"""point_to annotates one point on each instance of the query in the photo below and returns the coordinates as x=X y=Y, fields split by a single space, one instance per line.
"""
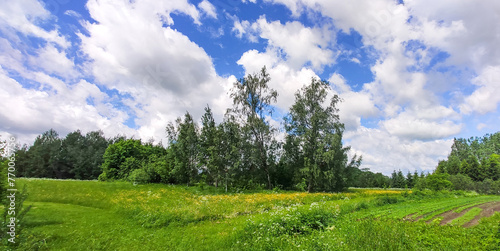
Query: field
x=91 y=215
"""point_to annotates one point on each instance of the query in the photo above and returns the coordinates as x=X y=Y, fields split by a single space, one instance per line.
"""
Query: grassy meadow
x=91 y=215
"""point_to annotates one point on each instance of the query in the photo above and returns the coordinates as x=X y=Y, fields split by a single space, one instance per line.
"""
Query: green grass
x=90 y=215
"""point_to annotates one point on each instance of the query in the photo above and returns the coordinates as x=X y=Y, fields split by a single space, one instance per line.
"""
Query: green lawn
x=90 y=215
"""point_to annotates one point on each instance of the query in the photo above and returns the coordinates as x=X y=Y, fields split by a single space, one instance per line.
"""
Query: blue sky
x=413 y=74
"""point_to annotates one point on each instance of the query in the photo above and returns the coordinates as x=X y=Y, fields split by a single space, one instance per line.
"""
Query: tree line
x=473 y=164
x=242 y=151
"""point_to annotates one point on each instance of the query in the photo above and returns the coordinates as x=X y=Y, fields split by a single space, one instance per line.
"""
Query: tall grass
x=82 y=215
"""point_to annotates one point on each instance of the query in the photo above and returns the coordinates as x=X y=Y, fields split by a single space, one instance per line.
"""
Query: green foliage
x=139 y=176
x=477 y=158
x=121 y=158
x=74 y=157
x=461 y=182
x=252 y=102
x=183 y=139
x=210 y=154
x=294 y=220
x=437 y=182
x=468 y=216
x=398 y=180
x=314 y=140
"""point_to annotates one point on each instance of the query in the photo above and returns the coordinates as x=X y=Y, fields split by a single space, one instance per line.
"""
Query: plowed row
x=487 y=210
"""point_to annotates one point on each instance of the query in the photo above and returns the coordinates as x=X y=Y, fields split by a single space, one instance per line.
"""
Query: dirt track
x=488 y=209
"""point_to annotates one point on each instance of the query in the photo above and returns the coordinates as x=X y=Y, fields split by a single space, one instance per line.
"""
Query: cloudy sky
x=412 y=74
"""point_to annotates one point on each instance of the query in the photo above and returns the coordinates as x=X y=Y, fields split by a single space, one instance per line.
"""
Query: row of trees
x=477 y=158
x=473 y=164
x=243 y=150
x=76 y=156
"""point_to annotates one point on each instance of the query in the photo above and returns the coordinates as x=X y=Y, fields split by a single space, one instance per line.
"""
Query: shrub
x=438 y=181
x=294 y=220
x=385 y=200
x=461 y=182
x=485 y=187
x=139 y=176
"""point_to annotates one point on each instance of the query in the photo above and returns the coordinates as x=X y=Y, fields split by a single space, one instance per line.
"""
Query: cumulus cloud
x=208 y=9
x=23 y=16
x=284 y=79
x=487 y=96
x=53 y=61
x=27 y=111
x=166 y=73
x=433 y=63
x=383 y=152
x=299 y=45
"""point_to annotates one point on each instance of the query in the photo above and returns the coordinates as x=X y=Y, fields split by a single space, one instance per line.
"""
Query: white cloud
x=53 y=61
x=487 y=96
x=481 y=126
x=383 y=152
x=354 y=105
x=208 y=9
x=284 y=79
x=9 y=57
x=23 y=16
x=30 y=111
x=467 y=30
x=163 y=70
x=299 y=45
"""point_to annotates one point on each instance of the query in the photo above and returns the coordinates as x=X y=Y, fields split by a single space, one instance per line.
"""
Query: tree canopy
x=242 y=151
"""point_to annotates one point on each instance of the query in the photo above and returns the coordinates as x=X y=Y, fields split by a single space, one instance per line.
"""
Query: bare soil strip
x=489 y=209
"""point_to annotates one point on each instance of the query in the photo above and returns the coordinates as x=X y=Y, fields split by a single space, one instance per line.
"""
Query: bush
x=461 y=182
x=485 y=187
x=103 y=177
x=294 y=220
x=385 y=200
x=438 y=181
x=139 y=176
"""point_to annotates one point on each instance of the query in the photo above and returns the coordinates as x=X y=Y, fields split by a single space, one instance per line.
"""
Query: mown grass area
x=90 y=215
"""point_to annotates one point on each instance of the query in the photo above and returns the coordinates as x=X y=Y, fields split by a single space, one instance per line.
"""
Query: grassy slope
x=83 y=215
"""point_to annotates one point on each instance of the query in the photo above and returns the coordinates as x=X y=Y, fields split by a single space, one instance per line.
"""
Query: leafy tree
x=231 y=149
x=83 y=155
x=461 y=182
x=45 y=155
x=210 y=145
x=438 y=181
x=442 y=167
x=453 y=165
x=415 y=178
x=121 y=158
x=315 y=139
x=252 y=100
x=490 y=168
x=184 y=140
x=472 y=168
